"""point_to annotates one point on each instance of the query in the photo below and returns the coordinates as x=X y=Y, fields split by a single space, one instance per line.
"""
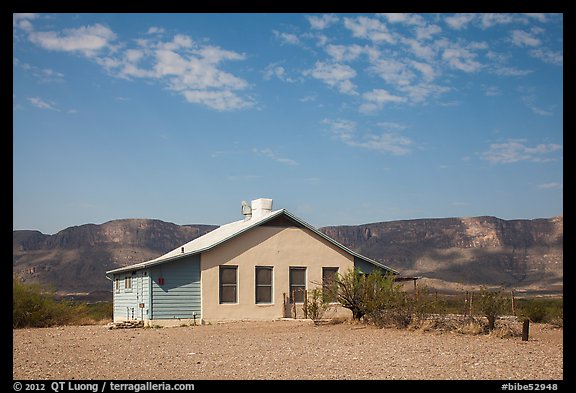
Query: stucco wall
x=279 y=247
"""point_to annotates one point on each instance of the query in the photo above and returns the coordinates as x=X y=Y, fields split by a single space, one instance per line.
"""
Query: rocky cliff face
x=76 y=259
x=451 y=253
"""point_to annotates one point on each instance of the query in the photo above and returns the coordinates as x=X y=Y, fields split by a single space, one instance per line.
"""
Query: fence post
x=294 y=303
x=305 y=304
x=513 y=310
x=525 y=329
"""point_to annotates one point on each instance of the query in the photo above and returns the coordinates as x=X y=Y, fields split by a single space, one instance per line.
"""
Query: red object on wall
x=160 y=281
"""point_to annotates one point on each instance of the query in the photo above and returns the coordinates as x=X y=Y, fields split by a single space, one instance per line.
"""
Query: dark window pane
x=227 y=275
x=298 y=295
x=263 y=276
x=298 y=276
x=228 y=284
x=328 y=280
x=228 y=294
x=263 y=294
x=297 y=284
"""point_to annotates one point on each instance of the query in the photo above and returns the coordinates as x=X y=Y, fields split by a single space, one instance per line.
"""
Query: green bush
x=491 y=305
x=36 y=306
x=33 y=306
x=316 y=304
x=540 y=310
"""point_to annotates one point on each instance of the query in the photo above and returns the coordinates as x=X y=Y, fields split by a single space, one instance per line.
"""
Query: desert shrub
x=541 y=310
x=357 y=291
x=491 y=304
x=36 y=306
x=316 y=304
x=405 y=309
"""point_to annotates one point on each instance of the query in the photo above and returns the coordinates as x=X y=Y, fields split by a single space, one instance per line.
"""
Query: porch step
x=126 y=325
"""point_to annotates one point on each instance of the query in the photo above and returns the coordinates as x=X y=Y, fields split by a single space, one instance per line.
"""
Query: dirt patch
x=282 y=350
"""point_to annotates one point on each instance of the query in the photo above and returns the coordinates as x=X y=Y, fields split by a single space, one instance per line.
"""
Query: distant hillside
x=451 y=253
x=77 y=258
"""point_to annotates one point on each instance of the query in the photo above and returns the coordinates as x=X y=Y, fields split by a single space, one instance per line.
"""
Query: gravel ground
x=282 y=350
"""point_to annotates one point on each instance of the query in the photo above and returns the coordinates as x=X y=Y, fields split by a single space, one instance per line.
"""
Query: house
x=257 y=268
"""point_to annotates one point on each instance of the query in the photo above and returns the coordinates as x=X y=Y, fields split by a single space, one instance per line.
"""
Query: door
x=140 y=304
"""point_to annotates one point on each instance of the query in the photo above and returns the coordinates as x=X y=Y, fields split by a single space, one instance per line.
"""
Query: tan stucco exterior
x=279 y=247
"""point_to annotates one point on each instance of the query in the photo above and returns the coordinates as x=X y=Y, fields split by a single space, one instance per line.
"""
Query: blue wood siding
x=367 y=267
x=178 y=296
x=127 y=300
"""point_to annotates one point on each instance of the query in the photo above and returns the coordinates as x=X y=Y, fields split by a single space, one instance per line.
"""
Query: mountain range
x=450 y=254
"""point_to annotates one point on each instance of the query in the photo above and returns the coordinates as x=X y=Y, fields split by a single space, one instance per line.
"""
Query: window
x=328 y=281
x=263 y=284
x=228 y=284
x=297 y=284
x=117 y=284
x=127 y=283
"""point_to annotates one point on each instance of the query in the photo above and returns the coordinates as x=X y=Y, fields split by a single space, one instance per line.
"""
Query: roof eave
x=159 y=260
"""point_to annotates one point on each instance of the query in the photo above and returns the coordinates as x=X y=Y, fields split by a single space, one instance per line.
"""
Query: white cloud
x=277 y=71
x=427 y=71
x=489 y=20
x=418 y=49
x=335 y=75
x=523 y=38
x=408 y=19
x=185 y=66
x=529 y=99
x=266 y=152
x=420 y=92
x=551 y=186
x=368 y=28
x=45 y=75
x=427 y=32
x=344 y=52
x=287 y=38
x=343 y=130
x=515 y=150
x=548 y=56
x=155 y=30
x=377 y=98
x=491 y=91
x=538 y=16
x=88 y=40
x=461 y=59
x=389 y=141
x=392 y=71
x=220 y=100
x=459 y=21
x=22 y=21
x=322 y=22
x=509 y=71
x=43 y=104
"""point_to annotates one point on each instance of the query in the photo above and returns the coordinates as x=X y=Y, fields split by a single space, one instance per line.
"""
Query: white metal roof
x=228 y=231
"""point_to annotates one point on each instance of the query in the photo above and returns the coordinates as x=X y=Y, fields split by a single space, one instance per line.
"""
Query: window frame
x=324 y=282
x=291 y=285
x=222 y=285
x=128 y=283
x=257 y=285
x=117 y=284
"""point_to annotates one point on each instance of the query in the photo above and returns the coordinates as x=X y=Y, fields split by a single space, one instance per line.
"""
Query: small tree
x=361 y=293
x=491 y=304
x=317 y=304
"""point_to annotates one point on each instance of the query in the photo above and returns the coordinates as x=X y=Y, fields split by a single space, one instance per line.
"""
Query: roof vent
x=261 y=207
x=246 y=210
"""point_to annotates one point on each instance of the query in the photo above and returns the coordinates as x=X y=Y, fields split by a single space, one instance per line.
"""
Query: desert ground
x=284 y=349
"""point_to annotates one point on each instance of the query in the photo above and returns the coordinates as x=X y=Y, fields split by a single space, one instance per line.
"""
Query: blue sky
x=342 y=119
